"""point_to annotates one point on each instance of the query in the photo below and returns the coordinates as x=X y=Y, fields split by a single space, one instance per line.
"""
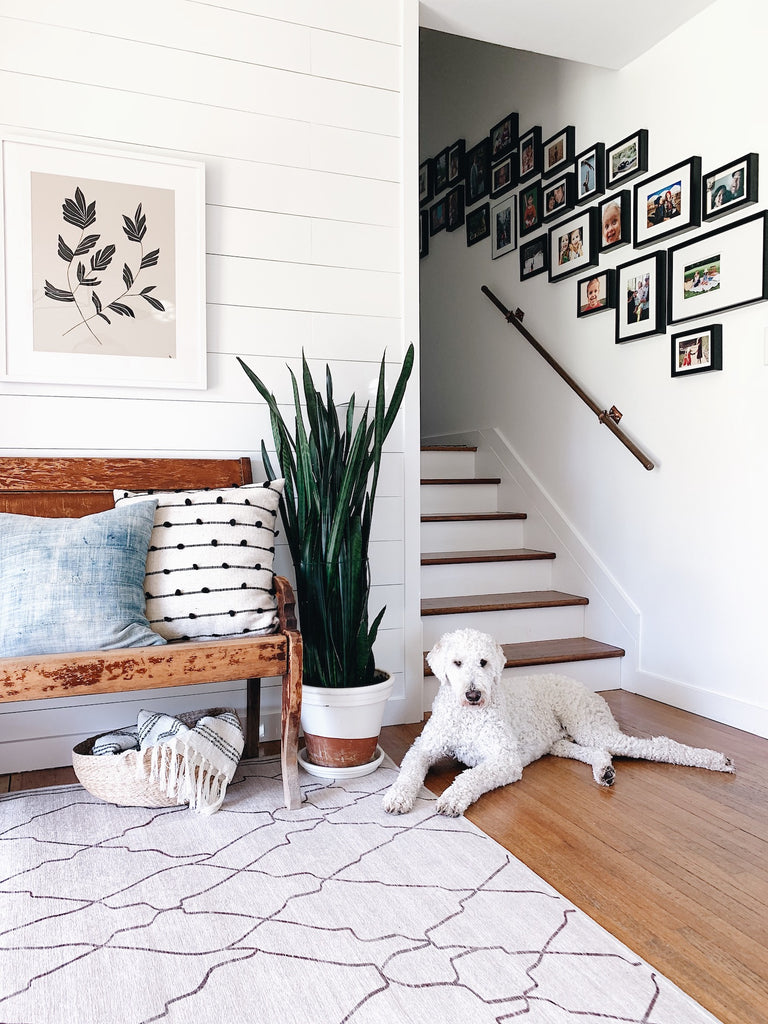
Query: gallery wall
x=304 y=117
x=684 y=541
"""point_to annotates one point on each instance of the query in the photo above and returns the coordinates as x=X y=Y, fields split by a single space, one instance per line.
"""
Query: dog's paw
x=607 y=776
x=450 y=805
x=397 y=802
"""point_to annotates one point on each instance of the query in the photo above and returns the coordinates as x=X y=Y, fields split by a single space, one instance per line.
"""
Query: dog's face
x=470 y=663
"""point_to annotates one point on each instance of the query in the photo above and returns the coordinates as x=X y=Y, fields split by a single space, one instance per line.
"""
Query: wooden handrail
x=515 y=319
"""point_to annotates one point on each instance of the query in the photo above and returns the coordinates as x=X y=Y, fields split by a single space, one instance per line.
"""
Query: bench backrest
x=75 y=487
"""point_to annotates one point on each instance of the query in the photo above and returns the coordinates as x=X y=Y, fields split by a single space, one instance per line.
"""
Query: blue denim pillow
x=74 y=584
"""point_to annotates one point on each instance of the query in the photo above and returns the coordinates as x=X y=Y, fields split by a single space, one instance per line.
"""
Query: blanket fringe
x=186 y=774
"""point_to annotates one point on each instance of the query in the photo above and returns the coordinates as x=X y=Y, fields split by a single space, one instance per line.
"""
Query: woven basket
x=115 y=778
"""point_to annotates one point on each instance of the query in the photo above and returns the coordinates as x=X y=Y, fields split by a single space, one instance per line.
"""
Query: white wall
x=686 y=541
x=305 y=117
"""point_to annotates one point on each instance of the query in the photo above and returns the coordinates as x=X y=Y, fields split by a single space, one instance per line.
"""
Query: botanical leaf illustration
x=97 y=304
x=127 y=276
x=64 y=251
x=102 y=257
x=86 y=244
x=150 y=260
x=121 y=309
x=79 y=213
x=154 y=303
x=57 y=293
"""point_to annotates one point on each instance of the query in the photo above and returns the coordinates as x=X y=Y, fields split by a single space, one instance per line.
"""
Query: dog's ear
x=436 y=659
x=499 y=660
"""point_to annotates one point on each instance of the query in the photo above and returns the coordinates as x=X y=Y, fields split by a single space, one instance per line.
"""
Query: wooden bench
x=72 y=487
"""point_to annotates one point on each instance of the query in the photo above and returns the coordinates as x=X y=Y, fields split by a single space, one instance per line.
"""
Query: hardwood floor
x=672 y=861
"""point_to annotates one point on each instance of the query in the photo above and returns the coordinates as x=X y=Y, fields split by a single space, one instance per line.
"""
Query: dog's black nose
x=473 y=696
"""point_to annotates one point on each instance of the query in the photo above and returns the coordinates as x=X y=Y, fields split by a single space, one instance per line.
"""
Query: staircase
x=477 y=573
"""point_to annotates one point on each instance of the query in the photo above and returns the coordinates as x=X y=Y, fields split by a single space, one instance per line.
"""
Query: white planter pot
x=341 y=727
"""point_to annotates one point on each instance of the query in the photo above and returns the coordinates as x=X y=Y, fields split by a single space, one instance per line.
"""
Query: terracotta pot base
x=329 y=752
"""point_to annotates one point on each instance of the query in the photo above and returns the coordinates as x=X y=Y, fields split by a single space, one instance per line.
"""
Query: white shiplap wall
x=304 y=113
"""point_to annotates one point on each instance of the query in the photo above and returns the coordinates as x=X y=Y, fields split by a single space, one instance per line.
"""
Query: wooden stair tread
x=499 y=602
x=498 y=555
x=546 y=652
x=471 y=517
x=449 y=448
x=454 y=480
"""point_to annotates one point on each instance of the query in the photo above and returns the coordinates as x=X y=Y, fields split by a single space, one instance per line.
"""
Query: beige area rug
x=336 y=912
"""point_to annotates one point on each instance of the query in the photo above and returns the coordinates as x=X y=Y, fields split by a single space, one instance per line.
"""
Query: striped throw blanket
x=194 y=764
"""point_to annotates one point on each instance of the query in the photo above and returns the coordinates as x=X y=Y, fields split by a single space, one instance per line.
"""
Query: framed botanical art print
x=731 y=187
x=557 y=151
x=573 y=245
x=503 y=227
x=454 y=203
x=504 y=175
x=426 y=183
x=697 y=351
x=503 y=136
x=559 y=196
x=529 y=200
x=478 y=224
x=534 y=257
x=627 y=159
x=668 y=203
x=719 y=270
x=640 y=297
x=590 y=173
x=456 y=162
x=478 y=172
x=614 y=213
x=595 y=292
x=530 y=154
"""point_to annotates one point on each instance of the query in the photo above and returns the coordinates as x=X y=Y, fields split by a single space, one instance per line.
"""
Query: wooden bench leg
x=291 y=716
x=252 y=718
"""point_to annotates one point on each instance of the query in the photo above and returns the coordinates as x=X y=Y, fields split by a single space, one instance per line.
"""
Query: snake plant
x=331 y=469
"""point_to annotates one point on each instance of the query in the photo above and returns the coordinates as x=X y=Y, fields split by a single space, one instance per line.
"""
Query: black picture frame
x=438 y=216
x=587 y=301
x=456 y=162
x=503 y=227
x=590 y=173
x=572 y=245
x=529 y=208
x=733 y=270
x=504 y=175
x=454 y=202
x=423 y=234
x=477 y=172
x=667 y=203
x=697 y=351
x=644 y=314
x=529 y=153
x=534 y=257
x=615 y=216
x=627 y=159
x=478 y=224
x=558 y=196
x=440 y=163
x=558 y=151
x=504 y=135
x=720 y=196
x=426 y=181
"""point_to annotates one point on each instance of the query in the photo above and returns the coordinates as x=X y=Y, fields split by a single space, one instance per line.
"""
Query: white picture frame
x=103 y=267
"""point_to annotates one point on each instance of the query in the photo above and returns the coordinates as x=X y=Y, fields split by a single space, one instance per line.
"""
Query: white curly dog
x=497 y=728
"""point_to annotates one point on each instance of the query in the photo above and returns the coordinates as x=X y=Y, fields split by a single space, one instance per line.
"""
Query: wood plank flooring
x=672 y=861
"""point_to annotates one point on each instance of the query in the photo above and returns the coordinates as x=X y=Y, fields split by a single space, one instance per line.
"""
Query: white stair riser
x=458 y=498
x=509 y=627
x=447 y=464
x=473 y=535
x=604 y=674
x=485 y=578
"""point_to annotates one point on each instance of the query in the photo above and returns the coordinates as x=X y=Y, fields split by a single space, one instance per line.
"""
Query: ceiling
x=590 y=31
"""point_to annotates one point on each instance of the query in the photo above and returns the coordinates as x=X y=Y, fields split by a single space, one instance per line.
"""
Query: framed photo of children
x=627 y=159
x=668 y=203
x=456 y=162
x=529 y=199
x=640 y=297
x=503 y=136
x=697 y=351
x=478 y=224
x=503 y=227
x=454 y=217
x=614 y=212
x=425 y=182
x=590 y=173
x=559 y=196
x=533 y=257
x=478 y=172
x=573 y=245
x=504 y=175
x=730 y=187
x=558 y=151
x=423 y=234
x=720 y=270
x=595 y=292
x=530 y=154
